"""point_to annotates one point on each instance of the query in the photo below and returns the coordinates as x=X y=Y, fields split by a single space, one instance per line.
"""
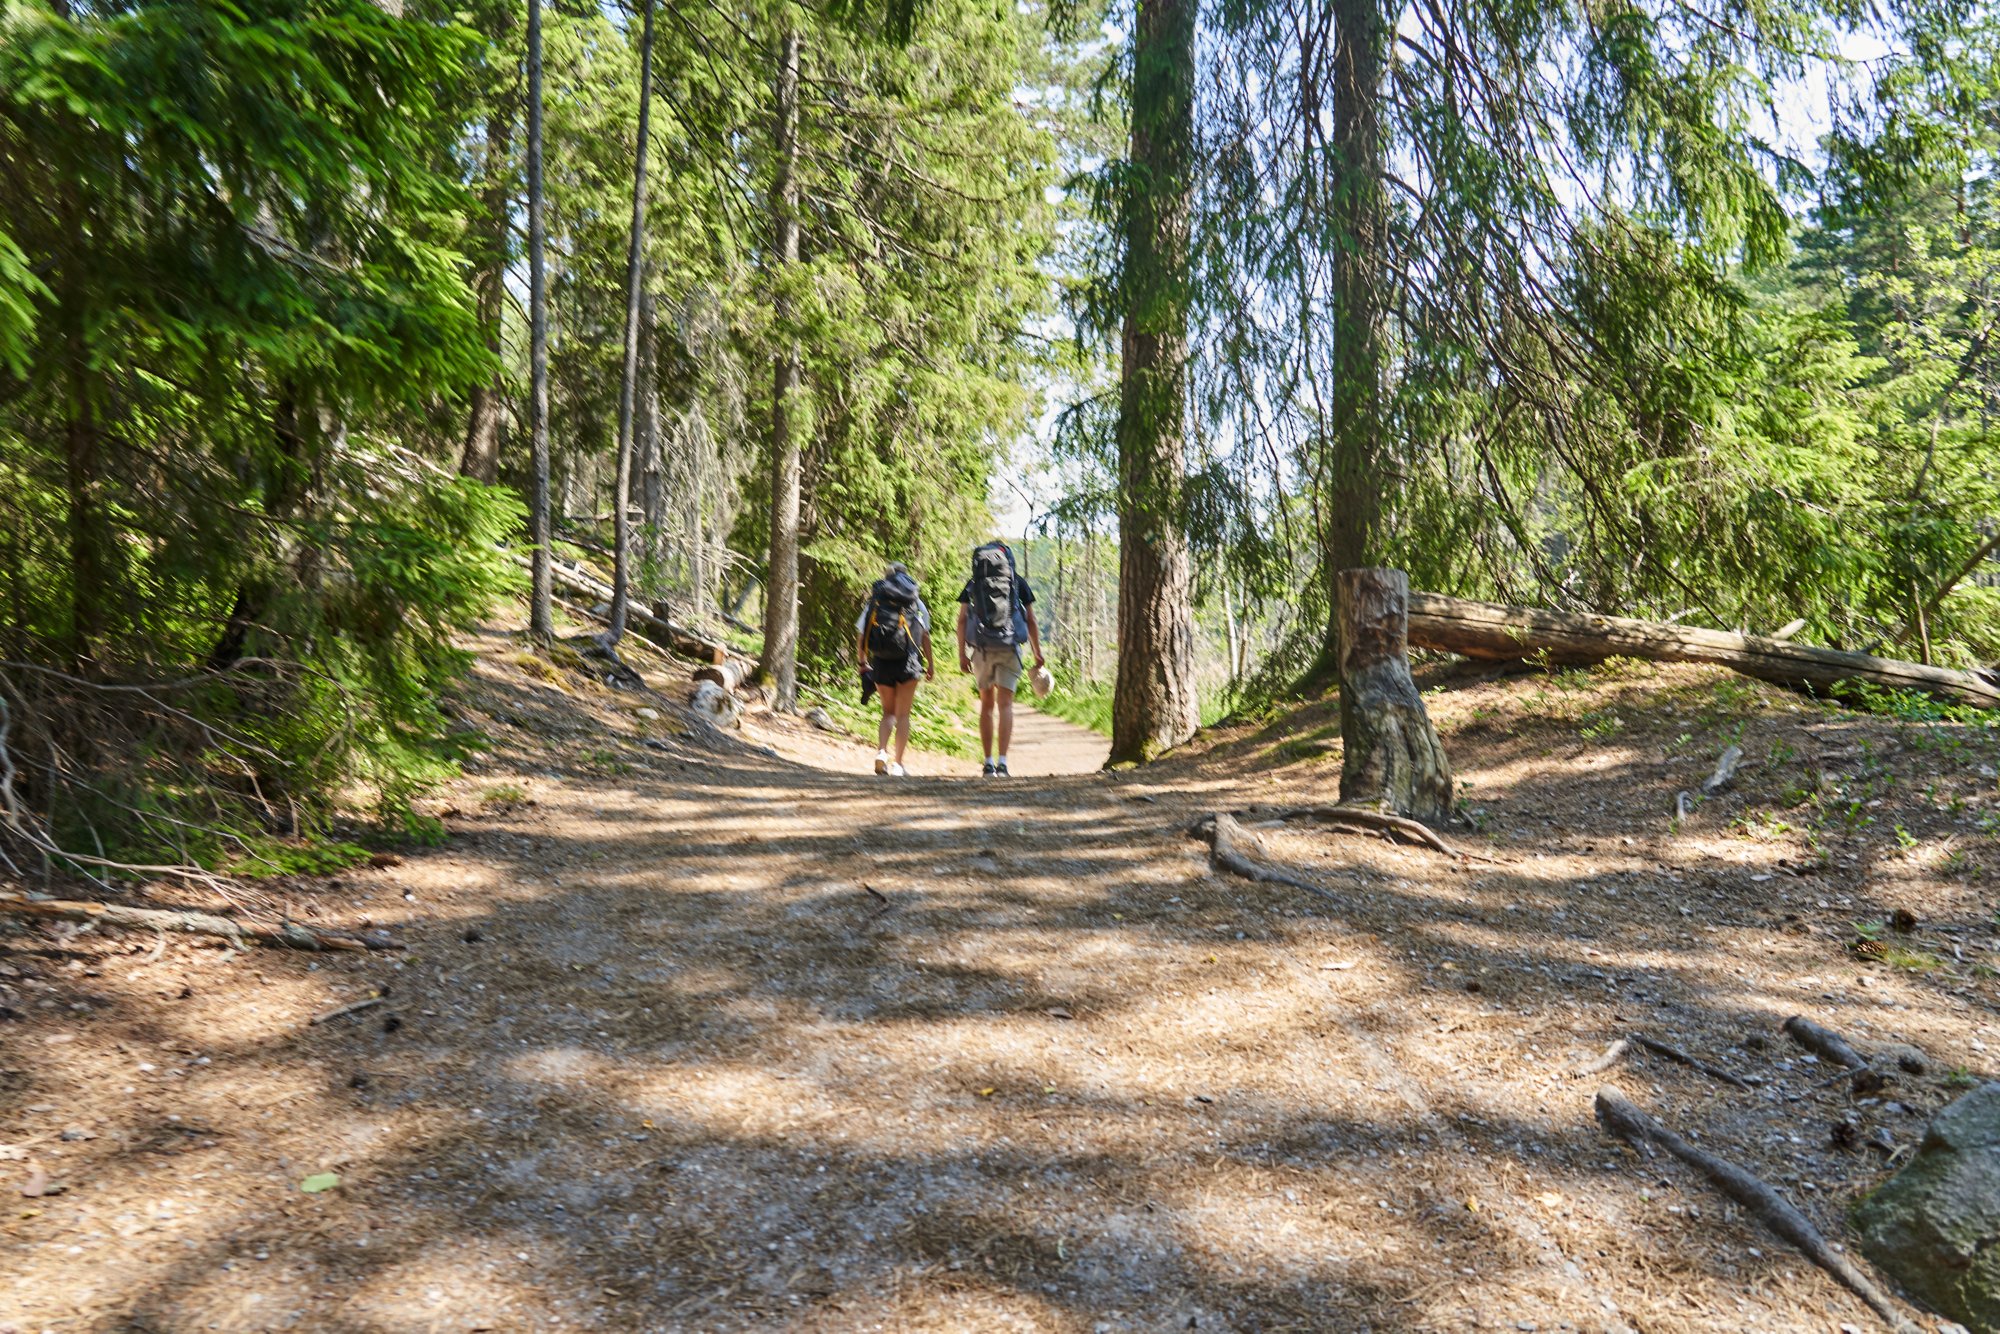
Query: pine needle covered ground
x=693 y=1034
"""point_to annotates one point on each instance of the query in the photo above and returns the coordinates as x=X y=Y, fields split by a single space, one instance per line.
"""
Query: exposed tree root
x=1674 y=1053
x=189 y=922
x=1823 y=1042
x=1361 y=819
x=1221 y=831
x=1613 y=1054
x=1619 y=1117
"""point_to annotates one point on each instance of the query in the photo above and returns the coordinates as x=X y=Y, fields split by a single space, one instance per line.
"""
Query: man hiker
x=996 y=614
x=893 y=645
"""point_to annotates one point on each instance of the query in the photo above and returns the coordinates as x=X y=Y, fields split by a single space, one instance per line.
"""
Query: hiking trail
x=696 y=1035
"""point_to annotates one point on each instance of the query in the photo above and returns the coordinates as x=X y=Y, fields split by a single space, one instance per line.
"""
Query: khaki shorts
x=996 y=667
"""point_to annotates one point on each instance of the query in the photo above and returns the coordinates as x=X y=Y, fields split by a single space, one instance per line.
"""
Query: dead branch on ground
x=1823 y=1042
x=1674 y=1053
x=190 y=922
x=1620 y=1118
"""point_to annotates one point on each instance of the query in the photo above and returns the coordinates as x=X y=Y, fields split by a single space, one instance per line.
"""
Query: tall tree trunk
x=1353 y=508
x=541 y=609
x=481 y=457
x=648 y=456
x=780 y=662
x=80 y=458
x=635 y=272
x=1154 y=706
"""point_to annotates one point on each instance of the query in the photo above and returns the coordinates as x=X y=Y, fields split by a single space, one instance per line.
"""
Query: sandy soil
x=701 y=1033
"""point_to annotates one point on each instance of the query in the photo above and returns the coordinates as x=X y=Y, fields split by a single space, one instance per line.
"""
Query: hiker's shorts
x=996 y=667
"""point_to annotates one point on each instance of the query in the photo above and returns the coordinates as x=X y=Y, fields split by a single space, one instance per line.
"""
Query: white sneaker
x=881 y=761
x=897 y=771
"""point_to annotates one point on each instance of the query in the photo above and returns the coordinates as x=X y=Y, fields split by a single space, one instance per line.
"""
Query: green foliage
x=228 y=593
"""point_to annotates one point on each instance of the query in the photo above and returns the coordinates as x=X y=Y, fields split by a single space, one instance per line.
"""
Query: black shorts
x=894 y=671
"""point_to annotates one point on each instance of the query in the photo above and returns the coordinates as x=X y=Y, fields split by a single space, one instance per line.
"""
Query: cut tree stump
x=1391 y=757
x=1495 y=633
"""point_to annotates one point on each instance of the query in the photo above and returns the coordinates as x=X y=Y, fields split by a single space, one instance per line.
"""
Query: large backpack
x=892 y=630
x=993 y=609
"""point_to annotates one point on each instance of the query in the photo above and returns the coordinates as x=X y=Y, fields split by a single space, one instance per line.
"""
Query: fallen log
x=1495 y=633
x=1774 y=1211
x=189 y=922
x=658 y=629
x=730 y=673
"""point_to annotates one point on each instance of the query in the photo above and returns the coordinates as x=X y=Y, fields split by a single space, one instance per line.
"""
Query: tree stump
x=1392 y=759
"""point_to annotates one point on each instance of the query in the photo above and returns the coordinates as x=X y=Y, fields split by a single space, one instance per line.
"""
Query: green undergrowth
x=1088 y=704
x=943 y=719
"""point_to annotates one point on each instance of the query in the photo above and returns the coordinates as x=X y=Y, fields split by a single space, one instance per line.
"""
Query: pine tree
x=1155 y=706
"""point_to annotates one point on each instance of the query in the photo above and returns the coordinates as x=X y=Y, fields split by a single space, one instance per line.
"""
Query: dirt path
x=696 y=1037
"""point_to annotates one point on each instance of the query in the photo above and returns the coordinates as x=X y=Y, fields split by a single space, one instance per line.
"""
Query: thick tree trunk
x=1496 y=633
x=541 y=610
x=481 y=457
x=780 y=662
x=1393 y=760
x=1353 y=470
x=1154 y=706
x=628 y=391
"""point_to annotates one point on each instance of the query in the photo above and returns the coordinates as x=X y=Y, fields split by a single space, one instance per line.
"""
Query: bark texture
x=628 y=391
x=541 y=608
x=1485 y=630
x=1392 y=759
x=1353 y=481
x=480 y=459
x=780 y=662
x=1154 y=707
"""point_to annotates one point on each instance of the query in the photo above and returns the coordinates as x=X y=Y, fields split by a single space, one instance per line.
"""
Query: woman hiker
x=894 y=643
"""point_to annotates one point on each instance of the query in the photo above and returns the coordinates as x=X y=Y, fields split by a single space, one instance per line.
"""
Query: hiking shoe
x=881 y=761
x=1000 y=771
x=986 y=769
x=898 y=771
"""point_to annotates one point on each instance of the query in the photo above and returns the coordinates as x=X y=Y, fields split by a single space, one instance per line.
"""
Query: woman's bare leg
x=906 y=698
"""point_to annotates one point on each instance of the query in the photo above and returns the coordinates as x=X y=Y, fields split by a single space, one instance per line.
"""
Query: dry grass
x=661 y=1063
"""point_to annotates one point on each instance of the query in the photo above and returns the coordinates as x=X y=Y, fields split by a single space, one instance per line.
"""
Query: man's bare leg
x=1003 y=706
x=987 y=699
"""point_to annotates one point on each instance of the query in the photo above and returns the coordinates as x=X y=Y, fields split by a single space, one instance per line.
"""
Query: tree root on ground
x=1823 y=1042
x=1618 y=1050
x=1620 y=1118
x=1674 y=1053
x=1220 y=831
x=190 y=922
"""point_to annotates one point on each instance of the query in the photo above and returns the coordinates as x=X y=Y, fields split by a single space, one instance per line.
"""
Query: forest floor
x=700 y=1033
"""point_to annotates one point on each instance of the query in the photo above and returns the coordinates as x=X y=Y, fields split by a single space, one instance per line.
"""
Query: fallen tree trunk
x=730 y=673
x=661 y=631
x=189 y=922
x=1494 y=633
